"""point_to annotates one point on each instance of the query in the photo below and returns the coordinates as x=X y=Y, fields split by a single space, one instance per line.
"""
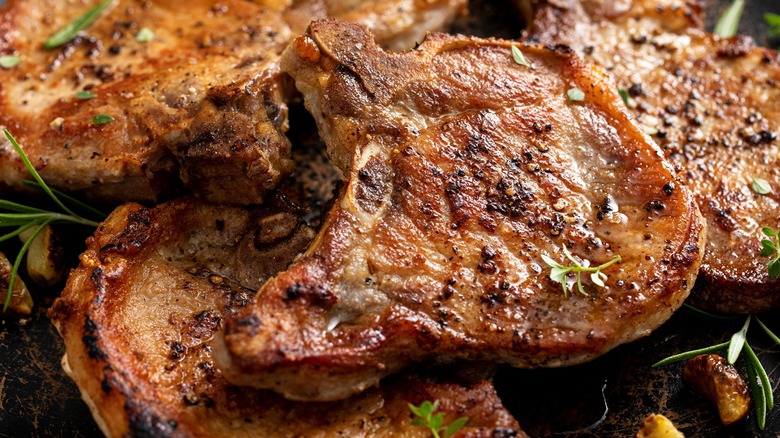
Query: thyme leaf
x=773 y=20
x=84 y=95
x=102 y=119
x=434 y=422
x=144 y=35
x=559 y=272
x=517 y=55
x=9 y=61
x=770 y=248
x=575 y=94
x=760 y=186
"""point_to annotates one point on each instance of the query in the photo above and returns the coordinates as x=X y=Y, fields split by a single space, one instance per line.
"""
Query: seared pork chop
x=153 y=287
x=715 y=104
x=463 y=169
x=201 y=105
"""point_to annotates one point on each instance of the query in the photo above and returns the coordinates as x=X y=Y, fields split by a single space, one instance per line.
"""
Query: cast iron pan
x=608 y=397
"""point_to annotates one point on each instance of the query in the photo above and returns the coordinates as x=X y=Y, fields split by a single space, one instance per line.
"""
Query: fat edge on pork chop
x=463 y=168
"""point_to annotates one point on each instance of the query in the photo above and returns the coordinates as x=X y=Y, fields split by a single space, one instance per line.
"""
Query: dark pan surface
x=608 y=397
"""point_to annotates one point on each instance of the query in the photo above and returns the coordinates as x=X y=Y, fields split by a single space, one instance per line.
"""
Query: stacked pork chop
x=715 y=104
x=466 y=170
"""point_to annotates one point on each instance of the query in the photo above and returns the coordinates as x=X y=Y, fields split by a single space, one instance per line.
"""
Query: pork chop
x=463 y=169
x=200 y=103
x=153 y=287
x=715 y=105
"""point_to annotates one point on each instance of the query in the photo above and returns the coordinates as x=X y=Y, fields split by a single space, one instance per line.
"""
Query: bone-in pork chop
x=194 y=90
x=463 y=169
x=153 y=287
x=715 y=105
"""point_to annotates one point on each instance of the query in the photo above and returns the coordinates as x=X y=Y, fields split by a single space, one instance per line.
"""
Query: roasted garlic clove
x=658 y=426
x=712 y=377
x=45 y=257
x=21 y=301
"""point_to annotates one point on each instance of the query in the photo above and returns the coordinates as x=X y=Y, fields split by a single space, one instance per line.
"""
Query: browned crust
x=286 y=339
x=147 y=368
x=716 y=103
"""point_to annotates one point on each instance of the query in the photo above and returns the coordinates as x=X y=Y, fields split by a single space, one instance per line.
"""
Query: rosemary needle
x=24 y=217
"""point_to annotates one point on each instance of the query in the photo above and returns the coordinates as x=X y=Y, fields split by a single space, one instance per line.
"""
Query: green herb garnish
x=769 y=248
x=758 y=379
x=517 y=55
x=84 y=95
x=773 y=20
x=729 y=22
x=144 y=35
x=575 y=94
x=559 y=272
x=760 y=186
x=434 y=422
x=9 y=61
x=102 y=119
x=627 y=99
x=68 y=32
x=24 y=217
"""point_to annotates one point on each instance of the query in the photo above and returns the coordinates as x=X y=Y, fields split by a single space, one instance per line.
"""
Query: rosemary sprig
x=729 y=22
x=434 y=422
x=68 y=32
x=758 y=379
x=24 y=217
x=559 y=272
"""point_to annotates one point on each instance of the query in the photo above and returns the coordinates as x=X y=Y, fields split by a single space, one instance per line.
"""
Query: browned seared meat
x=152 y=289
x=464 y=169
x=202 y=105
x=716 y=106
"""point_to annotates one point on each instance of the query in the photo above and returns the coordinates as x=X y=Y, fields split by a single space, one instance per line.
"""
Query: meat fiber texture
x=155 y=285
x=463 y=169
x=200 y=106
x=715 y=105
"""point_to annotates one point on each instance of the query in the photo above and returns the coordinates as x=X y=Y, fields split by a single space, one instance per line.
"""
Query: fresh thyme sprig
x=771 y=248
x=24 y=217
x=559 y=272
x=773 y=20
x=758 y=379
x=434 y=422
